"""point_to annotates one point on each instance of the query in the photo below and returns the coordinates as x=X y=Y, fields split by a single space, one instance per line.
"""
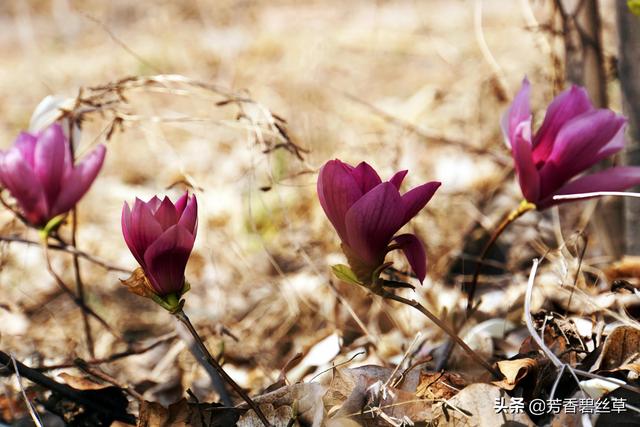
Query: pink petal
x=189 y=217
x=579 y=145
x=153 y=204
x=22 y=183
x=166 y=259
x=414 y=200
x=414 y=251
x=366 y=177
x=26 y=143
x=518 y=112
x=49 y=161
x=613 y=179
x=166 y=214
x=338 y=191
x=78 y=182
x=569 y=104
x=525 y=168
x=181 y=203
x=612 y=147
x=125 y=222
x=141 y=228
x=372 y=221
x=398 y=178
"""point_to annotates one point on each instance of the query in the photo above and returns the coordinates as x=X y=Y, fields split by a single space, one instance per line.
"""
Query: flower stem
x=523 y=208
x=435 y=319
x=182 y=317
x=80 y=284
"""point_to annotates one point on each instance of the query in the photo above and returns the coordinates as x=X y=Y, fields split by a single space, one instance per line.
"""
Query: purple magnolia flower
x=573 y=137
x=39 y=173
x=367 y=213
x=160 y=235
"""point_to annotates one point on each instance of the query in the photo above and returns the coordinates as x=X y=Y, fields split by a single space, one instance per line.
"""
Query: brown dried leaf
x=341 y=422
x=183 y=413
x=281 y=416
x=138 y=284
x=437 y=385
x=82 y=383
x=155 y=415
x=514 y=371
x=473 y=406
x=304 y=400
x=621 y=347
x=628 y=267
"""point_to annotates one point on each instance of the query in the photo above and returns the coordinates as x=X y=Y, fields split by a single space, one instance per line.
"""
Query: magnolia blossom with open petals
x=161 y=235
x=573 y=137
x=39 y=173
x=367 y=213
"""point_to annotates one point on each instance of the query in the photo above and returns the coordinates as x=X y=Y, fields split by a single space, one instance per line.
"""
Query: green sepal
x=344 y=273
x=170 y=302
x=186 y=288
x=634 y=6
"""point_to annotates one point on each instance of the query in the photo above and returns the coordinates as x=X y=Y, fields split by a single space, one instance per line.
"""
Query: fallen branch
x=64 y=390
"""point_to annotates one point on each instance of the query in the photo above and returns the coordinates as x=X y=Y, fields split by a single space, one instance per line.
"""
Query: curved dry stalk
x=182 y=317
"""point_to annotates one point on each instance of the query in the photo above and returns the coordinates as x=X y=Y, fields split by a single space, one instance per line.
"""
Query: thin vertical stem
x=523 y=208
x=80 y=285
x=182 y=317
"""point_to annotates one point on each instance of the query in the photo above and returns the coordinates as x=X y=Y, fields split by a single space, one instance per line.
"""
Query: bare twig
x=429 y=136
x=98 y=373
x=404 y=357
x=64 y=247
x=34 y=415
x=133 y=351
x=64 y=390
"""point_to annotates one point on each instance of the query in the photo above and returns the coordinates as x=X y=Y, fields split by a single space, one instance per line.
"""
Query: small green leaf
x=634 y=6
x=344 y=273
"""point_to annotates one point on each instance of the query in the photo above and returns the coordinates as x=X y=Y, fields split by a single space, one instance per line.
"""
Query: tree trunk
x=628 y=71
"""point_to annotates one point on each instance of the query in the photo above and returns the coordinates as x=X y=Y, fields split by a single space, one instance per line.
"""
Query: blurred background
x=252 y=98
